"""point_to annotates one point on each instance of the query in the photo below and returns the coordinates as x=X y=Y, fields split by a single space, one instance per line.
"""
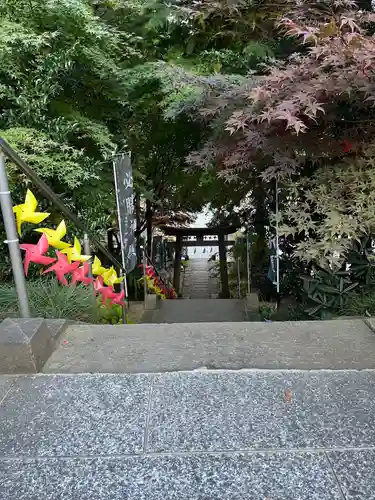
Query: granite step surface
x=341 y=344
x=250 y=435
x=199 y=281
x=200 y=310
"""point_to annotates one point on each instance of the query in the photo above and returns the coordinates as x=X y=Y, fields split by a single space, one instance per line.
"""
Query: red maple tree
x=314 y=108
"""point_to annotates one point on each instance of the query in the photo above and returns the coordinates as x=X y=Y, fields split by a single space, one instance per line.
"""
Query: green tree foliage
x=160 y=145
x=331 y=209
x=61 y=94
x=314 y=112
x=229 y=36
x=76 y=86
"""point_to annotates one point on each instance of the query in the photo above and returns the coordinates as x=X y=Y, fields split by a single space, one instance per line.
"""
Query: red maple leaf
x=34 y=253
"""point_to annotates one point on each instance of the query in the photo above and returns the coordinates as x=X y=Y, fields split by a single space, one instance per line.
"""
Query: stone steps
x=198 y=281
x=199 y=310
x=341 y=344
x=288 y=412
x=257 y=435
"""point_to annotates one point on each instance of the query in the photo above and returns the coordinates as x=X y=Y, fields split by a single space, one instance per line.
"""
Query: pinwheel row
x=155 y=284
x=69 y=259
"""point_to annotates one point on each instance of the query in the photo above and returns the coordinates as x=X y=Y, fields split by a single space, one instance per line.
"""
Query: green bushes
x=48 y=299
x=360 y=305
x=328 y=293
x=111 y=315
x=348 y=291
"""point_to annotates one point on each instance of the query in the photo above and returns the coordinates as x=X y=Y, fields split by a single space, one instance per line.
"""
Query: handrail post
x=87 y=250
x=248 y=263
x=239 y=277
x=12 y=240
x=124 y=288
x=144 y=277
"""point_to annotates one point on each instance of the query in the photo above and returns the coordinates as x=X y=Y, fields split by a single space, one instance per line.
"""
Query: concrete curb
x=26 y=344
x=370 y=323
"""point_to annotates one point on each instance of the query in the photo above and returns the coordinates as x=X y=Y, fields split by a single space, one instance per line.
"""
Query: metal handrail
x=55 y=199
x=154 y=268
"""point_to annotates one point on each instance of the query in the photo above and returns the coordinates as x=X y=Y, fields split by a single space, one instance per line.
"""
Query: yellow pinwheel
x=74 y=253
x=26 y=212
x=97 y=268
x=110 y=277
x=54 y=236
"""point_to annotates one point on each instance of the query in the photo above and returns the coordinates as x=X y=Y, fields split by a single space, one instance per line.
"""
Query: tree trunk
x=223 y=268
x=149 y=214
x=177 y=265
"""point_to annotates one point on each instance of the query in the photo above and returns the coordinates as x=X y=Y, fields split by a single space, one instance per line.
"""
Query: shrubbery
x=48 y=299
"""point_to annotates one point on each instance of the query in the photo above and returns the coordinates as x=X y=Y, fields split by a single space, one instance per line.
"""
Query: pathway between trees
x=199 y=281
x=199 y=303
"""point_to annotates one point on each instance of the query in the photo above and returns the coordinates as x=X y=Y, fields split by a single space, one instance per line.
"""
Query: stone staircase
x=183 y=411
x=198 y=281
x=158 y=348
x=55 y=346
x=199 y=311
x=285 y=435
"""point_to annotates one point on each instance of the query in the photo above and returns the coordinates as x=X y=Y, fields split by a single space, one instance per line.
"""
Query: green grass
x=48 y=299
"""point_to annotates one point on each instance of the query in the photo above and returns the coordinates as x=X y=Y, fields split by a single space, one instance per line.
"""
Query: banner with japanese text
x=125 y=208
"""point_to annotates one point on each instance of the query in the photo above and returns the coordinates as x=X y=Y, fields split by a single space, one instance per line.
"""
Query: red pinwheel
x=346 y=146
x=118 y=298
x=80 y=274
x=62 y=267
x=105 y=291
x=149 y=271
x=34 y=253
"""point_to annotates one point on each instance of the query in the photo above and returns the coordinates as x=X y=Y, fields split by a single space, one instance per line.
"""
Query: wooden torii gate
x=183 y=233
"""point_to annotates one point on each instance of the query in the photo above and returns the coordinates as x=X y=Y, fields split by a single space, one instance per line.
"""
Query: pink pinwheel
x=149 y=271
x=80 y=274
x=34 y=253
x=98 y=284
x=62 y=267
x=118 y=298
x=105 y=291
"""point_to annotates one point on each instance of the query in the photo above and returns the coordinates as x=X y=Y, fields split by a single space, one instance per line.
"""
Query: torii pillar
x=183 y=232
x=223 y=268
x=177 y=264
